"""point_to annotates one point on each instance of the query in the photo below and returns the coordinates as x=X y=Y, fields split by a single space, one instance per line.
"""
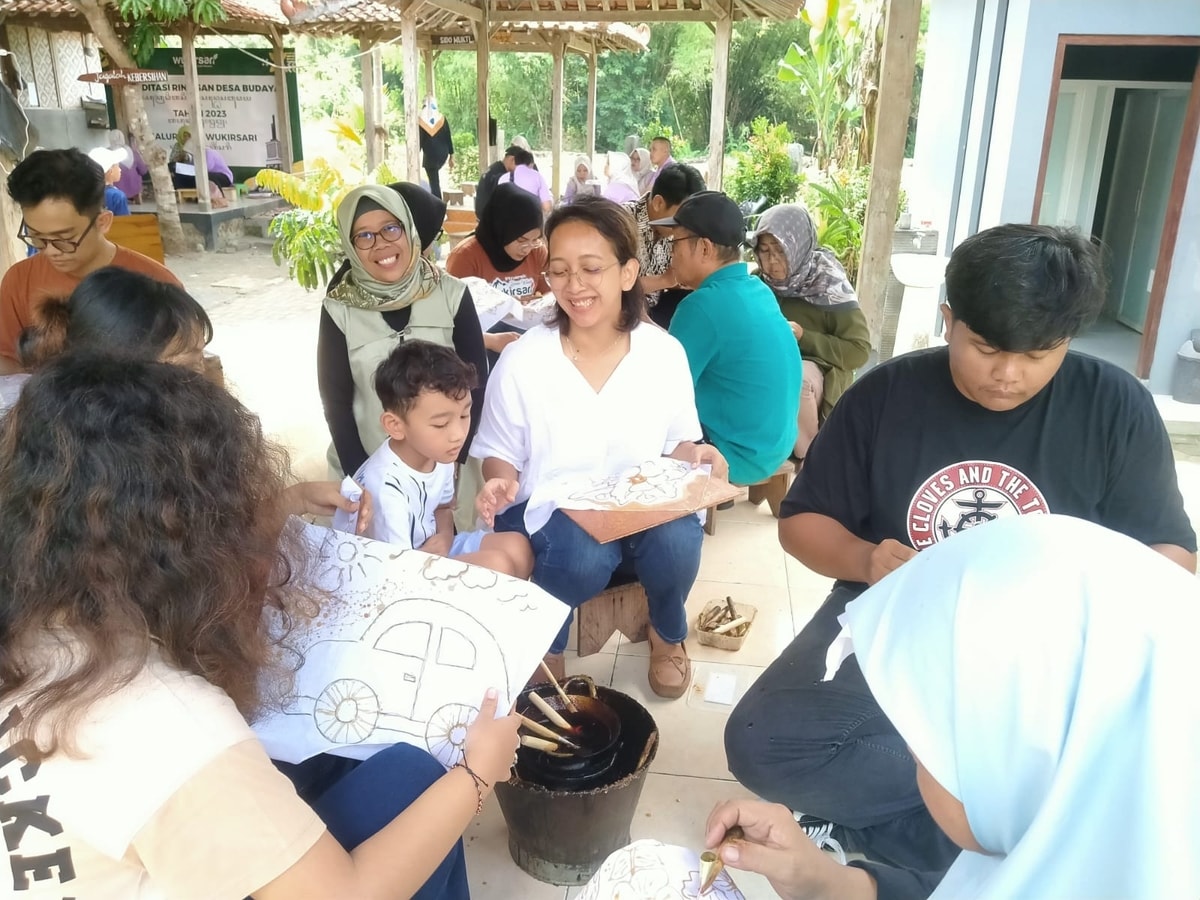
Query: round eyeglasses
x=365 y=240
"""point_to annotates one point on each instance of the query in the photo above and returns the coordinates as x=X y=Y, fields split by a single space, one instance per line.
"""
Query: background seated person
x=577 y=184
x=425 y=391
x=642 y=168
x=218 y=172
x=506 y=250
x=743 y=357
x=109 y=161
x=622 y=184
x=131 y=725
x=1002 y=421
x=591 y=393
x=663 y=291
x=660 y=155
x=525 y=175
x=1041 y=703
x=61 y=196
x=817 y=300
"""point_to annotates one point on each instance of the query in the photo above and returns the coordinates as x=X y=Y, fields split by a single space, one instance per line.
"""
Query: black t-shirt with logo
x=905 y=455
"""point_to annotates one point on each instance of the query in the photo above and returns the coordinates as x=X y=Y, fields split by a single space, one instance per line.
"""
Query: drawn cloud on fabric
x=442 y=568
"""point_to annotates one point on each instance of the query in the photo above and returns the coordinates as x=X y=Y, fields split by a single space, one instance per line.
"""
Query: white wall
x=1006 y=170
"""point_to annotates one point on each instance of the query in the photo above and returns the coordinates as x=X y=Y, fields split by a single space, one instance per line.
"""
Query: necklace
x=575 y=350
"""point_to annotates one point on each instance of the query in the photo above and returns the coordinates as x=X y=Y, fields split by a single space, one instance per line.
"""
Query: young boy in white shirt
x=425 y=391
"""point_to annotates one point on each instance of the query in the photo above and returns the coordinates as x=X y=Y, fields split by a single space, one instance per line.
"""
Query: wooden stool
x=619 y=607
x=184 y=195
x=772 y=489
x=453 y=198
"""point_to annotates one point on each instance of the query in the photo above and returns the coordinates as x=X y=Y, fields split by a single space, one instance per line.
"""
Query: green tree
x=764 y=168
x=145 y=22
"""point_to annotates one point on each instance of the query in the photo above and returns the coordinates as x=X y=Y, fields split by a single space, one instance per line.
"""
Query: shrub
x=764 y=169
x=838 y=204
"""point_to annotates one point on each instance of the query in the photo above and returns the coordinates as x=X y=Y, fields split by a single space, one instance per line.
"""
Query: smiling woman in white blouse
x=594 y=391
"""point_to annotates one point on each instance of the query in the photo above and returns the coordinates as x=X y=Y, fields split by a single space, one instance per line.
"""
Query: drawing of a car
x=396 y=677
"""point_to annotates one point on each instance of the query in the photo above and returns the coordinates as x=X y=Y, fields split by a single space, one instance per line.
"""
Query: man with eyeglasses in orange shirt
x=61 y=195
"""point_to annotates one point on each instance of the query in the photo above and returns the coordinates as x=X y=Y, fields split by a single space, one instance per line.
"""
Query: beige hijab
x=358 y=289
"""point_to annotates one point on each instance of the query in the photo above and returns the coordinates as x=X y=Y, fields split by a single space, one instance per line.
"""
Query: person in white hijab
x=577 y=184
x=643 y=169
x=1042 y=671
x=622 y=186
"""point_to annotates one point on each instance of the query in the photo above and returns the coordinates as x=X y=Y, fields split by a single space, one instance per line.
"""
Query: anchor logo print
x=966 y=494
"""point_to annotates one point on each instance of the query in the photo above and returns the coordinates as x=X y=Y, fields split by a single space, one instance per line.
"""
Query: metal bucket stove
x=565 y=817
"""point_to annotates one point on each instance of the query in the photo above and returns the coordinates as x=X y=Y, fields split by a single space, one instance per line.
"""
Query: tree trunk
x=154 y=155
x=871 y=23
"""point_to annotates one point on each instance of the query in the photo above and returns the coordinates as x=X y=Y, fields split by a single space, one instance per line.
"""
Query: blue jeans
x=826 y=748
x=356 y=799
x=571 y=565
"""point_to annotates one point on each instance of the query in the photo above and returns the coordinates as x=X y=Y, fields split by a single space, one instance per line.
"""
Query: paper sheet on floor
x=651 y=870
x=401 y=648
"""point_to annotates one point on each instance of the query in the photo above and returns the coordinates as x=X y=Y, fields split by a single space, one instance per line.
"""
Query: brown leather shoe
x=670 y=672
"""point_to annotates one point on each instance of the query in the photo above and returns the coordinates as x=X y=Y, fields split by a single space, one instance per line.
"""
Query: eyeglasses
x=62 y=245
x=691 y=237
x=589 y=276
x=365 y=240
x=527 y=244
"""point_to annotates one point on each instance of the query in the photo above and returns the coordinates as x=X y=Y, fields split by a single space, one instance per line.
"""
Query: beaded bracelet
x=480 y=784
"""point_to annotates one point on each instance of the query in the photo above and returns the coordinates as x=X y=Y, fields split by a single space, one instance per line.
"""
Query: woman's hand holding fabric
x=775 y=847
x=797 y=330
x=700 y=455
x=491 y=742
x=322 y=498
x=497 y=342
x=495 y=494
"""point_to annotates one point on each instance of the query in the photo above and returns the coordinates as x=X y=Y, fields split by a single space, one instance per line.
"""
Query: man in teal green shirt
x=744 y=359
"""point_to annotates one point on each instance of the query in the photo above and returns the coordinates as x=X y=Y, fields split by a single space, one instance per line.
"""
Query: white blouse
x=541 y=416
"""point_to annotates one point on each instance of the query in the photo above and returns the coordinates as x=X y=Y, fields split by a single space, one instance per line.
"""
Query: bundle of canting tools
x=724 y=619
x=547 y=739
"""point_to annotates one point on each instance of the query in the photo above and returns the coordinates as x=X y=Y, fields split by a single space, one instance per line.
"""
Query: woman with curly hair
x=140 y=525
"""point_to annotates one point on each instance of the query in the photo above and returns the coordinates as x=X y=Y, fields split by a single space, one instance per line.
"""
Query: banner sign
x=237 y=105
x=126 y=76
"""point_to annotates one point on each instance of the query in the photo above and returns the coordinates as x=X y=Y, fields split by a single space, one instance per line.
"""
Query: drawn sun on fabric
x=653 y=482
x=400 y=648
x=966 y=494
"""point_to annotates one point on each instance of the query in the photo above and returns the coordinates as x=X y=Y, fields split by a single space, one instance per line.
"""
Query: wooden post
x=591 y=105
x=192 y=82
x=427 y=57
x=556 y=115
x=12 y=249
x=372 y=87
x=481 y=89
x=901 y=27
x=283 y=129
x=720 y=83
x=412 y=104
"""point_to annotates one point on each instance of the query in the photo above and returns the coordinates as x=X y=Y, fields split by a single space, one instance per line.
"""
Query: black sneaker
x=820 y=832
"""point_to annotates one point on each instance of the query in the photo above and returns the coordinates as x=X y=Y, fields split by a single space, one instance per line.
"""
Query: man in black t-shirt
x=1002 y=421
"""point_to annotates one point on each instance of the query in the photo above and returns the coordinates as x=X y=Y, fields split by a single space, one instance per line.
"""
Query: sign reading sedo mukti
x=237 y=104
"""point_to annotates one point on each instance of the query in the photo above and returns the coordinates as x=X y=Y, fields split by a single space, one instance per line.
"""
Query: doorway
x=1110 y=161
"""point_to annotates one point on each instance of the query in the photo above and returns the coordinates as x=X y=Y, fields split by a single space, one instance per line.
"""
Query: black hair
x=416 y=366
x=116 y=311
x=676 y=183
x=618 y=227
x=58 y=174
x=520 y=156
x=512 y=150
x=1026 y=287
x=663 y=138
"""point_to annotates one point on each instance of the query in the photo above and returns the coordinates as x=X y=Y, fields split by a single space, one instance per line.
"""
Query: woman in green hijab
x=389 y=293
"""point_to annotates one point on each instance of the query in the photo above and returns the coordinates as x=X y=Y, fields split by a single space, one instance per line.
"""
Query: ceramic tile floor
x=688 y=776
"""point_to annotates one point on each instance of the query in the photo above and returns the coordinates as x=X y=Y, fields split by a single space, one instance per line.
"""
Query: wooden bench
x=459 y=223
x=619 y=607
x=138 y=232
x=453 y=198
x=186 y=195
x=772 y=489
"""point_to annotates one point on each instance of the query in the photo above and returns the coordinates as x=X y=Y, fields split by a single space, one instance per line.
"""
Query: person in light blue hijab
x=1043 y=670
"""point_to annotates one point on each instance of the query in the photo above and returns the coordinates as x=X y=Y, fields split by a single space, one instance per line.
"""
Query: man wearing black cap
x=744 y=360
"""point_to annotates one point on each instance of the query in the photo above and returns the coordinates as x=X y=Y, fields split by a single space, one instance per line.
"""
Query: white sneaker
x=820 y=832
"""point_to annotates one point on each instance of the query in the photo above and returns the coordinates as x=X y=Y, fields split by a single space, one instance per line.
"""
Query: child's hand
x=495 y=494
x=492 y=743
